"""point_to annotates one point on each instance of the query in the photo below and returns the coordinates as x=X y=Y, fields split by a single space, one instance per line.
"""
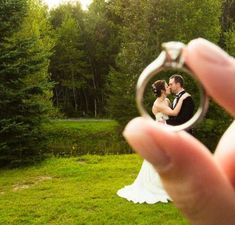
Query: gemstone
x=173 y=49
x=173 y=52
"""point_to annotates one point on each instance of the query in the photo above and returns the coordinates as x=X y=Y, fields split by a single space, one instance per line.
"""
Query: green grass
x=79 y=137
x=89 y=125
x=76 y=191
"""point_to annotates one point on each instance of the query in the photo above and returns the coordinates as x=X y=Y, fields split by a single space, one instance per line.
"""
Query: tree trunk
x=95 y=107
x=57 y=97
x=74 y=94
x=94 y=85
x=86 y=100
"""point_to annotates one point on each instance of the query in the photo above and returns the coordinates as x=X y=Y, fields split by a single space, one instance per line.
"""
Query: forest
x=71 y=63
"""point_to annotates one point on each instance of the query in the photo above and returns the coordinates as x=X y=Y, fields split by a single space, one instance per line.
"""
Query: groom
x=176 y=84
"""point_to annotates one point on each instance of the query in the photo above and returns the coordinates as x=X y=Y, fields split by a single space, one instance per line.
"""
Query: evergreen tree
x=24 y=87
x=11 y=15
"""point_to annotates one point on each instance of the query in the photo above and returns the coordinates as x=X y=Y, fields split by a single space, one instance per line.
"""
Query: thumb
x=197 y=186
x=215 y=69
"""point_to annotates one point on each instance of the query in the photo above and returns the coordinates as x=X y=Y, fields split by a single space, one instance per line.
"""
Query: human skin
x=201 y=185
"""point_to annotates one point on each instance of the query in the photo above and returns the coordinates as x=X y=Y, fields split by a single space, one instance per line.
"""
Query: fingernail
x=143 y=143
x=209 y=51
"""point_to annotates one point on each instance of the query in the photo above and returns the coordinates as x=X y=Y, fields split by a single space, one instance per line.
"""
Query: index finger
x=215 y=69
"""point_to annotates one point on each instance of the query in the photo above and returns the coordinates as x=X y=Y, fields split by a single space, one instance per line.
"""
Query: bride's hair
x=158 y=86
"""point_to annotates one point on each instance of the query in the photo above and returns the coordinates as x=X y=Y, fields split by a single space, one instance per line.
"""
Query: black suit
x=185 y=113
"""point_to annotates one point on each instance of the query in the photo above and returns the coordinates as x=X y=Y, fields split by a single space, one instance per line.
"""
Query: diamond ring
x=170 y=58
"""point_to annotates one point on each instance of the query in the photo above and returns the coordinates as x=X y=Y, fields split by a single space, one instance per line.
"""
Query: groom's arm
x=185 y=113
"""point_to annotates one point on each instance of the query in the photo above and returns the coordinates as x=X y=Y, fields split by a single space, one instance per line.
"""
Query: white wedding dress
x=147 y=187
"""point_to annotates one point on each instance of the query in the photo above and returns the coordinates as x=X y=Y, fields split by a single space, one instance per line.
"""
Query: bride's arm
x=154 y=108
x=174 y=112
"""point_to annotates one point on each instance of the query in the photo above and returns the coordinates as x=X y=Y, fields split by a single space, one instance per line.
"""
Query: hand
x=185 y=95
x=201 y=185
x=161 y=121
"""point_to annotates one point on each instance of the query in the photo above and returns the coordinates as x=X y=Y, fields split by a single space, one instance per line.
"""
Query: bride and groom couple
x=147 y=187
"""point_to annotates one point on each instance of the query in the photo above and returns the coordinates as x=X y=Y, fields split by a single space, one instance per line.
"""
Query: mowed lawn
x=79 y=190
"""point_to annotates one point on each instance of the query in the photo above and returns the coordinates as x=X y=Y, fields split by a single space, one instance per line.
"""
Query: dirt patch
x=28 y=184
x=82 y=161
x=43 y=178
x=18 y=187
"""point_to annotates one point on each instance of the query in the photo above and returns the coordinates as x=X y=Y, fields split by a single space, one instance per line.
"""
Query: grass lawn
x=79 y=137
x=76 y=191
x=88 y=125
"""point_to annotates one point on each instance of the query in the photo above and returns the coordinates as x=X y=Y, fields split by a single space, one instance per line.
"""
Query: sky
x=53 y=3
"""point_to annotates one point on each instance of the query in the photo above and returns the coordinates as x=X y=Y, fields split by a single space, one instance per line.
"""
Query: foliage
x=79 y=137
x=11 y=15
x=227 y=21
x=229 y=26
x=230 y=40
x=24 y=87
x=210 y=130
x=89 y=47
x=68 y=65
x=103 y=43
x=160 y=21
x=78 y=190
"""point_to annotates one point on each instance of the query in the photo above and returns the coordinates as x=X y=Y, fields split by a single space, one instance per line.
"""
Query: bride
x=148 y=187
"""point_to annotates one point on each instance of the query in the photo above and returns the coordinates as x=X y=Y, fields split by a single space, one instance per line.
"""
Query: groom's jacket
x=185 y=114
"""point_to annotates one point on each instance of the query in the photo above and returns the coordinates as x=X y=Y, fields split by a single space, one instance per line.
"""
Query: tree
x=11 y=15
x=71 y=69
x=228 y=26
x=89 y=43
x=103 y=44
x=147 y=24
x=25 y=90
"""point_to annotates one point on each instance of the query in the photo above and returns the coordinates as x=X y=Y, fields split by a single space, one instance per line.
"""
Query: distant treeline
x=99 y=53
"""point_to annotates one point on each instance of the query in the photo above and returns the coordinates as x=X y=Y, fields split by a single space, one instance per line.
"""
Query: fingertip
x=205 y=52
x=133 y=125
x=139 y=134
x=139 y=126
x=214 y=68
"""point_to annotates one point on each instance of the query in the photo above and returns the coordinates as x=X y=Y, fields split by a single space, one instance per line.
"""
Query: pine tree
x=24 y=86
x=11 y=15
